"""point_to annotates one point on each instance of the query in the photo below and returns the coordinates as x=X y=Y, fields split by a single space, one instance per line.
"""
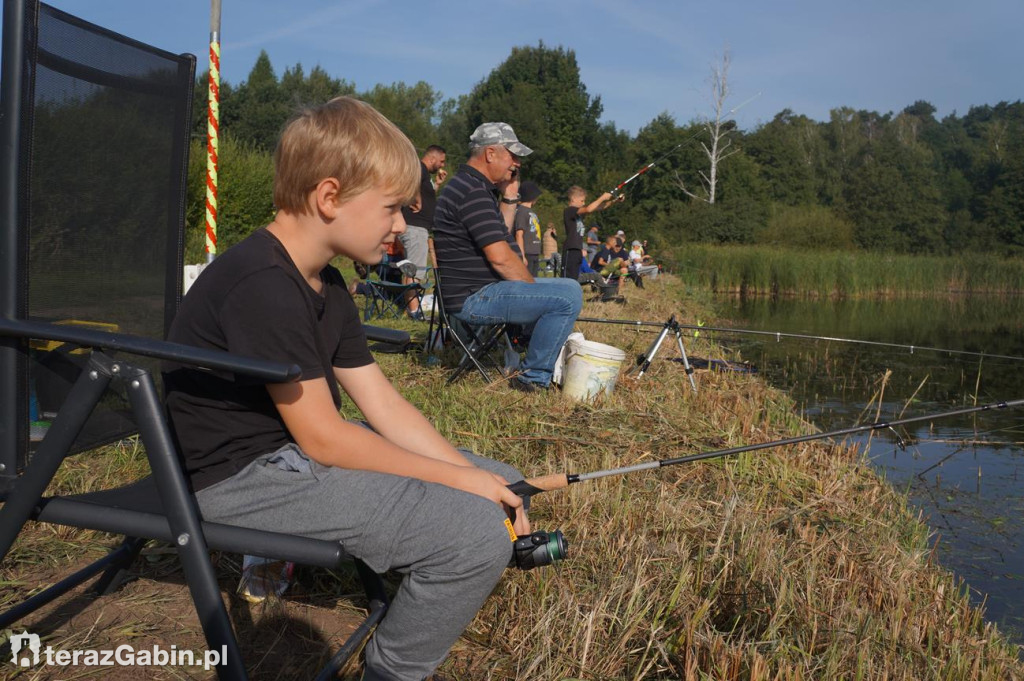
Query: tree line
x=902 y=182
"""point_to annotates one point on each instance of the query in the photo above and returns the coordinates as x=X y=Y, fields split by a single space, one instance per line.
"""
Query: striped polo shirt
x=466 y=219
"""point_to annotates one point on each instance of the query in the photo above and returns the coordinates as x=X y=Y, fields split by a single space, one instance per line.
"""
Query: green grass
x=765 y=270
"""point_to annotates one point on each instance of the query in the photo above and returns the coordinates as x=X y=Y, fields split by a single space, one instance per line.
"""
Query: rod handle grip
x=543 y=483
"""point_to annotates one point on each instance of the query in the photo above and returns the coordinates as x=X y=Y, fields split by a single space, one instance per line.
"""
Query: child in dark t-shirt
x=280 y=457
x=572 y=219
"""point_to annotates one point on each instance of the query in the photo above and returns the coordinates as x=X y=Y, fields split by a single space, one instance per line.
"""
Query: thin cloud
x=314 y=22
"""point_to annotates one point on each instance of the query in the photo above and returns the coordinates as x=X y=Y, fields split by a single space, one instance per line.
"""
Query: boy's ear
x=325 y=197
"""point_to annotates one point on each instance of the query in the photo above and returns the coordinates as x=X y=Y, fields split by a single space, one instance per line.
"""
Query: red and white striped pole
x=212 y=132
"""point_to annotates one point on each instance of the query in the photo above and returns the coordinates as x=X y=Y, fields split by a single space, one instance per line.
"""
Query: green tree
x=413 y=108
x=788 y=150
x=258 y=108
x=1001 y=208
x=538 y=91
x=893 y=197
x=653 y=201
x=318 y=87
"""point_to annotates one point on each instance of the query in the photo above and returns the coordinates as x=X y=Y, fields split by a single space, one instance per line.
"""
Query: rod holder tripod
x=643 y=362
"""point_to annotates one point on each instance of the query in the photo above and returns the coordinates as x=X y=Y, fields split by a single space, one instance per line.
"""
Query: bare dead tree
x=718 y=126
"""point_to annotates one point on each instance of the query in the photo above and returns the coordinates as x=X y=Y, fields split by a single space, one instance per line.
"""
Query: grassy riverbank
x=795 y=563
x=764 y=270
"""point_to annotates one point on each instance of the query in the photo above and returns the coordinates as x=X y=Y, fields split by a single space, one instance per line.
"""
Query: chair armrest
x=385 y=335
x=274 y=372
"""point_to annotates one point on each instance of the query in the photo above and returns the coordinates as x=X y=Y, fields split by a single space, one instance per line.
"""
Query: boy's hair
x=575 y=191
x=348 y=140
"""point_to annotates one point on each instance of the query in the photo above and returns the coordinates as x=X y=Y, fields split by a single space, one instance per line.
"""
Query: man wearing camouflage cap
x=482 y=280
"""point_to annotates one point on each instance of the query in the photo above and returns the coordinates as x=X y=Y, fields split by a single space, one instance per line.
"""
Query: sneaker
x=417 y=316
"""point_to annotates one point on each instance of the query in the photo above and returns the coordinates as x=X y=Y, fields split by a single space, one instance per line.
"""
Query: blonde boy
x=280 y=457
x=572 y=219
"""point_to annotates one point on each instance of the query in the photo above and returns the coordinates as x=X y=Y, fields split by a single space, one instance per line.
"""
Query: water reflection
x=966 y=473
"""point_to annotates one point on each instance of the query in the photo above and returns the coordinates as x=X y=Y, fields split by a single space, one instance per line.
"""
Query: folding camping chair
x=90 y=266
x=383 y=298
x=474 y=342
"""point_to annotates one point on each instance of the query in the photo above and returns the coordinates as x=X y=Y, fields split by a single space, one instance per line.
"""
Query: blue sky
x=642 y=57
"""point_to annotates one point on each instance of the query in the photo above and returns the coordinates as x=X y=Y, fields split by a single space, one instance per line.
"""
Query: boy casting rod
x=779 y=335
x=546 y=483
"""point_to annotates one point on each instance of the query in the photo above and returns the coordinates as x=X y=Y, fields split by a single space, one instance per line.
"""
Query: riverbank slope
x=790 y=563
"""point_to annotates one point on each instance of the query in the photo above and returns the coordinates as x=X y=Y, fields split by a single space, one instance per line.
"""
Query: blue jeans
x=549 y=306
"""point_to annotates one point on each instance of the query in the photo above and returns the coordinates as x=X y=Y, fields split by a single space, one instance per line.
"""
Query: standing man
x=419 y=221
x=572 y=251
x=482 y=280
x=527 y=226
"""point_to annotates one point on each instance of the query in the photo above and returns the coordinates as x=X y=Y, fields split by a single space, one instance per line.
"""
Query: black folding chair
x=95 y=130
x=474 y=342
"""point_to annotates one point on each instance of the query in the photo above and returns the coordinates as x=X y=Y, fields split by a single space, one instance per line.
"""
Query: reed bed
x=795 y=563
x=764 y=270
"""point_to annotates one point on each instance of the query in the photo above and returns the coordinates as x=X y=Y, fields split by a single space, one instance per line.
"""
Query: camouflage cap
x=488 y=134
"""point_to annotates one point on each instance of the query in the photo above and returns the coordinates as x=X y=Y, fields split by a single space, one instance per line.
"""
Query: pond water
x=967 y=473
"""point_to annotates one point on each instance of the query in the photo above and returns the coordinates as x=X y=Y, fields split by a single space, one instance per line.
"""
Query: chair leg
x=475 y=351
x=30 y=605
x=373 y=585
x=80 y=402
x=116 y=573
x=183 y=519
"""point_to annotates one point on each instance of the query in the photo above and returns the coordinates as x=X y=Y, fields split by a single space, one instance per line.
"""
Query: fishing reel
x=539 y=549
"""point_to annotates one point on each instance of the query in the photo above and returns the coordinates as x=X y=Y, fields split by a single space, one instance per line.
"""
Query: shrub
x=244 y=196
x=812 y=227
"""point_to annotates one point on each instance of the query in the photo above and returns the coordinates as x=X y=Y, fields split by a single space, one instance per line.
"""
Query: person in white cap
x=482 y=279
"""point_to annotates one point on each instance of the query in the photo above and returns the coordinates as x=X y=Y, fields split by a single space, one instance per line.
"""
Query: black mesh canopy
x=103 y=145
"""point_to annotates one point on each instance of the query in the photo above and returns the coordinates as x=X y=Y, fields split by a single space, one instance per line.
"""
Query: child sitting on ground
x=280 y=457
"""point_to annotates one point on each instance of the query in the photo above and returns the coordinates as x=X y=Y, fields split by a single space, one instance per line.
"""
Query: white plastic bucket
x=591 y=369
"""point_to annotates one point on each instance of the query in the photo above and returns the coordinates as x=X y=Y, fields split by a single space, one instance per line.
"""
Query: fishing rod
x=547 y=483
x=673 y=150
x=779 y=335
x=618 y=188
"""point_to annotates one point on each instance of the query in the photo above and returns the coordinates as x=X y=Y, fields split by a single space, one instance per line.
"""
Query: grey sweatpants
x=451 y=546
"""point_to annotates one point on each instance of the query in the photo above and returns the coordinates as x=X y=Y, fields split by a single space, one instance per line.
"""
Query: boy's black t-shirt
x=604 y=253
x=253 y=301
x=574 y=229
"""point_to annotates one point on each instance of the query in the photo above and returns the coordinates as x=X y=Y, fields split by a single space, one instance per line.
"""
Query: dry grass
x=796 y=563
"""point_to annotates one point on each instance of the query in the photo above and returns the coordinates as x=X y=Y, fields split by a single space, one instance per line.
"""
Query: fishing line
x=547 y=483
x=779 y=335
